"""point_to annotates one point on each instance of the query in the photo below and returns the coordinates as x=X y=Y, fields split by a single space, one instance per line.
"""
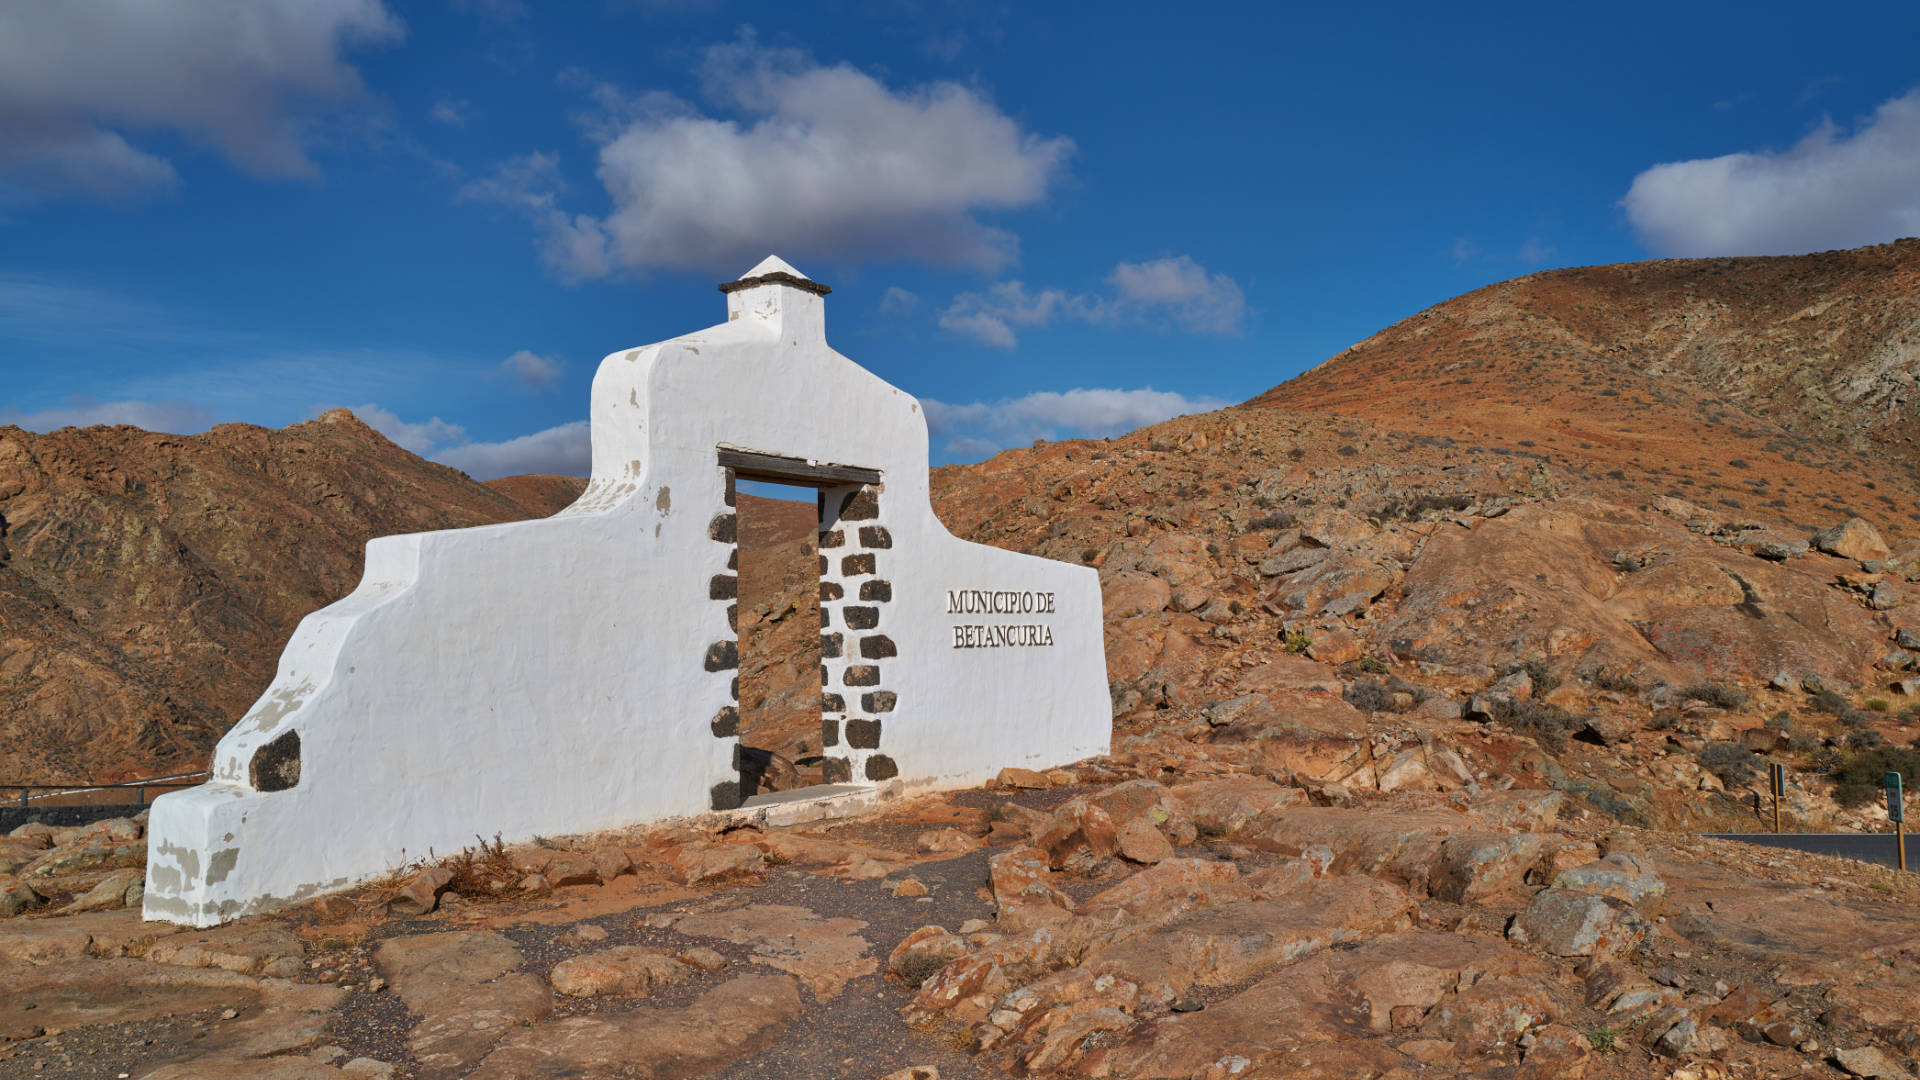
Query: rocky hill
x=1785 y=386
x=1423 y=667
x=148 y=581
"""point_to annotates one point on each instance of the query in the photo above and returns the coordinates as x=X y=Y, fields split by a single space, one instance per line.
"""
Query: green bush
x=1544 y=681
x=1864 y=739
x=1718 y=695
x=1857 y=776
x=1602 y=679
x=1550 y=725
x=1295 y=641
x=1826 y=701
x=1732 y=763
x=1368 y=696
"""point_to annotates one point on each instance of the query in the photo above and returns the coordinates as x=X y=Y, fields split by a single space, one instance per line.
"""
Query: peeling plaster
x=222 y=864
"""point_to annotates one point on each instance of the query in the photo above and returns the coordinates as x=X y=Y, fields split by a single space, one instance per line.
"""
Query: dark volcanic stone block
x=862 y=505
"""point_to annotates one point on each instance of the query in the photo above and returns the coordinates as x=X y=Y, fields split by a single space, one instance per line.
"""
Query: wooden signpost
x=1778 y=774
x=1896 y=809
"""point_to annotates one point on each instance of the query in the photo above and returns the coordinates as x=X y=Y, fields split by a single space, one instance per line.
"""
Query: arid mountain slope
x=540 y=494
x=148 y=581
x=1785 y=386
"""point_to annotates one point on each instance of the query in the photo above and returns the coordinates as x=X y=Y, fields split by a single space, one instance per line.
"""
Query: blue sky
x=1045 y=220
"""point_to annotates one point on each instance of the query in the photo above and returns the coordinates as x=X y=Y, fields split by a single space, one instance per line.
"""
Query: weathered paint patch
x=222 y=864
x=188 y=858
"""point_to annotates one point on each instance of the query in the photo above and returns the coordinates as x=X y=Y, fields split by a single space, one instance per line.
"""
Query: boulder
x=248 y=949
x=1490 y=1016
x=624 y=970
x=610 y=861
x=122 y=888
x=1852 y=539
x=1027 y=779
x=569 y=869
x=1336 y=646
x=947 y=842
x=422 y=894
x=1023 y=891
x=1870 y=1061
x=1129 y=592
x=1169 y=889
x=1081 y=831
x=73 y=859
x=1620 y=875
x=1475 y=865
x=17 y=896
x=1219 y=808
x=1140 y=842
x=924 y=951
x=1568 y=923
x=699 y=861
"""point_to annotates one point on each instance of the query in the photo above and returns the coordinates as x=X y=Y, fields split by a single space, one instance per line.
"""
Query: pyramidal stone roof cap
x=773 y=270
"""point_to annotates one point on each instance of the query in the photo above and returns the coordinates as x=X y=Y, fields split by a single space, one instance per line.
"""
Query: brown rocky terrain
x=779 y=642
x=148 y=581
x=1178 y=909
x=1425 y=667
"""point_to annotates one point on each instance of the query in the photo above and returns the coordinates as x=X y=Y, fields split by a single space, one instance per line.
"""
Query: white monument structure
x=578 y=672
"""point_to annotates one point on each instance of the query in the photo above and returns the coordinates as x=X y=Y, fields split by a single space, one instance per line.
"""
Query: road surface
x=1865 y=847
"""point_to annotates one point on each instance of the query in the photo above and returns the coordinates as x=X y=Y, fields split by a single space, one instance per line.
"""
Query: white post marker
x=578 y=673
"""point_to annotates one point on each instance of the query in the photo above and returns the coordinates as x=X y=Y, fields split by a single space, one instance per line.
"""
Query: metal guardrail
x=26 y=798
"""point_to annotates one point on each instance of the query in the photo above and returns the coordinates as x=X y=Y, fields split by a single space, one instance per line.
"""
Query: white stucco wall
x=546 y=677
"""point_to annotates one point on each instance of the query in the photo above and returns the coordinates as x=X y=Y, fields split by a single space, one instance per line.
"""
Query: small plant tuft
x=1368 y=696
x=1718 y=695
x=1732 y=763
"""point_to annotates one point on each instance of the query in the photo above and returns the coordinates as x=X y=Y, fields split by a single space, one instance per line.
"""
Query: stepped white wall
x=556 y=676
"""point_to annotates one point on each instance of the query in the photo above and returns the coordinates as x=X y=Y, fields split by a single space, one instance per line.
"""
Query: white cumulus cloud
x=566 y=450
x=419 y=438
x=533 y=370
x=804 y=159
x=242 y=77
x=975 y=429
x=898 y=301
x=1832 y=189
x=177 y=417
x=1171 y=292
x=1181 y=288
